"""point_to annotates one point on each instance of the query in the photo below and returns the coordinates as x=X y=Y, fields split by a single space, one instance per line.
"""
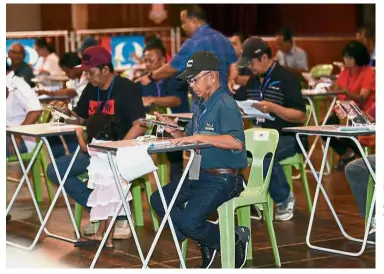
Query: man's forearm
x=32 y=117
x=289 y=114
x=167 y=101
x=222 y=141
x=163 y=72
x=136 y=130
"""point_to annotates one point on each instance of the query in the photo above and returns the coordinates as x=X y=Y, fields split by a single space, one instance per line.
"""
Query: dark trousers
x=340 y=146
x=58 y=148
x=203 y=197
x=279 y=187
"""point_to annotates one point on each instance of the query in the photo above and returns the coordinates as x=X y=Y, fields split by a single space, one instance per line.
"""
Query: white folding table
x=309 y=95
x=42 y=131
x=111 y=149
x=333 y=131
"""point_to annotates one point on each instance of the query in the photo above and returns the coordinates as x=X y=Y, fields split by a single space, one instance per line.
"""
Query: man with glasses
x=16 y=54
x=217 y=176
x=108 y=94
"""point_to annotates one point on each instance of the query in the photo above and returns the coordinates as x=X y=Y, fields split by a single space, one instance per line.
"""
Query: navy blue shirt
x=219 y=115
x=207 y=39
x=168 y=87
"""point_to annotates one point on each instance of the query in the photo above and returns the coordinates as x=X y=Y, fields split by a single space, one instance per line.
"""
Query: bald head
x=16 y=53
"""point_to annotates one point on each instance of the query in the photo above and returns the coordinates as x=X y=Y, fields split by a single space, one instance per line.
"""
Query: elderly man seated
x=22 y=108
x=16 y=54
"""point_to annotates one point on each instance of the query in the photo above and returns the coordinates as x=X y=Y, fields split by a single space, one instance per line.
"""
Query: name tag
x=194 y=170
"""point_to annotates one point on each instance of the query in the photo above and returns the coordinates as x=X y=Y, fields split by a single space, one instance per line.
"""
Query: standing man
x=217 y=121
x=366 y=35
x=168 y=93
x=203 y=38
x=279 y=93
x=290 y=55
x=21 y=69
x=108 y=94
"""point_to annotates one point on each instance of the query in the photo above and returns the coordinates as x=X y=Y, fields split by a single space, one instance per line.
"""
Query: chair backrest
x=260 y=142
x=308 y=115
x=44 y=116
x=322 y=70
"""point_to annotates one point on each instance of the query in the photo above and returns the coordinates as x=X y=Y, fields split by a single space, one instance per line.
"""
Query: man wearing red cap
x=105 y=94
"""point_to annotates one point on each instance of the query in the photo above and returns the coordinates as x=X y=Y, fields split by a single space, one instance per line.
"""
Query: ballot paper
x=246 y=106
x=134 y=161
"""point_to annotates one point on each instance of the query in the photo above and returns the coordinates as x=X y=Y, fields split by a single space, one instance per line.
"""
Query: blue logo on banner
x=123 y=47
x=30 y=53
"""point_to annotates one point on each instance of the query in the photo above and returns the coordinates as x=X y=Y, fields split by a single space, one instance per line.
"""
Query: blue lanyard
x=267 y=79
x=158 y=89
x=109 y=94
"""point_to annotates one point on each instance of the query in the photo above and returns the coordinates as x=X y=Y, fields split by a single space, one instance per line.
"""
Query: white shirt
x=21 y=100
x=296 y=58
x=51 y=65
x=78 y=85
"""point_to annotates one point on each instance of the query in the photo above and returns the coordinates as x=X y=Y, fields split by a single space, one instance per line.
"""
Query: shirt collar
x=292 y=51
x=211 y=100
x=200 y=30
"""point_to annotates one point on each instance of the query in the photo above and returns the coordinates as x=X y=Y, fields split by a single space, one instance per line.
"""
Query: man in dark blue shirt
x=216 y=121
x=168 y=93
x=203 y=38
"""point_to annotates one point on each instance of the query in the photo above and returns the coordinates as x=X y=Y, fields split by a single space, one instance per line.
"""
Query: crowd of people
x=216 y=71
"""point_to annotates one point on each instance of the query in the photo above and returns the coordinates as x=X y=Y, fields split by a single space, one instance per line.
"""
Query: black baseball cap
x=200 y=61
x=253 y=47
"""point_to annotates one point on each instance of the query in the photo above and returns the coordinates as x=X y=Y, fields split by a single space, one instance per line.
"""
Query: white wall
x=23 y=17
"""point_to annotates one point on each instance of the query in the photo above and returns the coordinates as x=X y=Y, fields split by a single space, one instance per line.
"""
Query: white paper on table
x=246 y=106
x=321 y=87
x=134 y=162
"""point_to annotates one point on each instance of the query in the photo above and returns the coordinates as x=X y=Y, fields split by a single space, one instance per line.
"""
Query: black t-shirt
x=283 y=88
x=125 y=103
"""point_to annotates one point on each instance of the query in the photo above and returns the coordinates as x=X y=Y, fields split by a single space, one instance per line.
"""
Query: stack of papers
x=249 y=110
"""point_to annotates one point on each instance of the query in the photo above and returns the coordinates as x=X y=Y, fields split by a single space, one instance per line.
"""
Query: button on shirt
x=207 y=39
x=296 y=58
x=219 y=115
x=168 y=87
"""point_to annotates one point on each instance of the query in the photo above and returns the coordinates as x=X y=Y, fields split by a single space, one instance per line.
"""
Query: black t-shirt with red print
x=124 y=103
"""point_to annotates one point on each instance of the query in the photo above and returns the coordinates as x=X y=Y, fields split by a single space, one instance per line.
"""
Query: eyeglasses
x=194 y=81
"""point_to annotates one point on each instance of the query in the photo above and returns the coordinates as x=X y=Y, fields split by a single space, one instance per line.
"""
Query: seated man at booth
x=16 y=54
x=279 y=93
x=168 y=93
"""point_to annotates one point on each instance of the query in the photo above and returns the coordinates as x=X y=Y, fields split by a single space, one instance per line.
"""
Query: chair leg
x=137 y=202
x=227 y=235
x=78 y=212
x=304 y=181
x=48 y=183
x=184 y=249
x=163 y=168
x=37 y=181
x=244 y=219
x=272 y=235
x=288 y=174
x=370 y=189
x=148 y=193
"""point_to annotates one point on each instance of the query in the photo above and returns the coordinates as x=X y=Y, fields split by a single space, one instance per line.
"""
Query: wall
x=14 y=13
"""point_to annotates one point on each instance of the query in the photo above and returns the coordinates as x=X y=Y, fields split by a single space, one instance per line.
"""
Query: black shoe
x=241 y=246
x=208 y=255
x=8 y=217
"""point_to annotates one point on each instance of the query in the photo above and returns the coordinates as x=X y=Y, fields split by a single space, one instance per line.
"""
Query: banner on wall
x=123 y=48
x=30 y=52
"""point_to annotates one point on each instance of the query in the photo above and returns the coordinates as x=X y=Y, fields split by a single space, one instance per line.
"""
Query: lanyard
x=158 y=89
x=267 y=79
x=109 y=94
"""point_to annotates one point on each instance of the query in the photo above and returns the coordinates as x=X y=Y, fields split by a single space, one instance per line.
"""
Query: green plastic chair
x=370 y=189
x=297 y=161
x=318 y=71
x=136 y=200
x=40 y=162
x=256 y=192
